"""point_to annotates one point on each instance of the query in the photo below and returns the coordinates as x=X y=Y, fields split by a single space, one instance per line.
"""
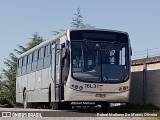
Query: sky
x=19 y=19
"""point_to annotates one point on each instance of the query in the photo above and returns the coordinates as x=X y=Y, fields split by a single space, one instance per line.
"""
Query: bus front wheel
x=25 y=103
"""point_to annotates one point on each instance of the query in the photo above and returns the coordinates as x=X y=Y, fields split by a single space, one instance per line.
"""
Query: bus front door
x=57 y=73
x=55 y=87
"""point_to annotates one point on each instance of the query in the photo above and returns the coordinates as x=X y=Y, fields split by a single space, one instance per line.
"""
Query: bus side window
x=34 y=60
x=20 y=62
x=42 y=52
x=39 y=54
x=29 y=59
x=40 y=58
x=49 y=49
x=19 y=66
x=47 y=56
x=24 y=63
x=45 y=51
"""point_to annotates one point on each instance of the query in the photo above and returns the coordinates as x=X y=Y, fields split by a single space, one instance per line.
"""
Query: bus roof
x=98 y=29
x=54 y=38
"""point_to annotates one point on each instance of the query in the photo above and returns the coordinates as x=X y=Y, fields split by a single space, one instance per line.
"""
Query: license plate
x=100 y=95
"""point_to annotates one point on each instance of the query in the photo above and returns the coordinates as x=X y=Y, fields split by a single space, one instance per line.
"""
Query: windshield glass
x=99 y=61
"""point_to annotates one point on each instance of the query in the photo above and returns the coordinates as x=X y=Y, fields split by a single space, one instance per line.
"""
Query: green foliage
x=35 y=40
x=77 y=22
x=8 y=87
x=57 y=32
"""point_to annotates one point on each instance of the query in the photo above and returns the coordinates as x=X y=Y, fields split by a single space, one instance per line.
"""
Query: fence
x=146 y=53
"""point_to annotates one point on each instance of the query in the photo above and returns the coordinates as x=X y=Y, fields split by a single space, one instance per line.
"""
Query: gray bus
x=77 y=65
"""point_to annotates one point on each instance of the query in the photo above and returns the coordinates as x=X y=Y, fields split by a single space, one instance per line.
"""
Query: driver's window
x=122 y=56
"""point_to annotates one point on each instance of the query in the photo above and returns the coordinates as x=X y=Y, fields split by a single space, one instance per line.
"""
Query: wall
x=145 y=85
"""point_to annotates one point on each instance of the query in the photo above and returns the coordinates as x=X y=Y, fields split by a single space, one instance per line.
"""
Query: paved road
x=78 y=114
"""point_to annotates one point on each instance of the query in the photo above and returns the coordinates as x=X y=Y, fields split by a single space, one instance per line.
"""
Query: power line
x=151 y=52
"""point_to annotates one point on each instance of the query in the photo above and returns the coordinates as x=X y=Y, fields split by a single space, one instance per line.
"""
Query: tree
x=35 y=40
x=57 y=32
x=77 y=22
x=8 y=87
x=8 y=91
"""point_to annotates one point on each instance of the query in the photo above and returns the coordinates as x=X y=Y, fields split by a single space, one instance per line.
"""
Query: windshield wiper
x=88 y=46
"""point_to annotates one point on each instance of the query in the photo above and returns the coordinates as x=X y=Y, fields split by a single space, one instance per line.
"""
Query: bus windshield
x=99 y=60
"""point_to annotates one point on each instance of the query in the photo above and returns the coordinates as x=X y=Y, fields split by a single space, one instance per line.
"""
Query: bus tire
x=25 y=103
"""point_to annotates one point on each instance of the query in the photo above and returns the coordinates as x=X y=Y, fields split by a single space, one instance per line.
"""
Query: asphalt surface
x=76 y=114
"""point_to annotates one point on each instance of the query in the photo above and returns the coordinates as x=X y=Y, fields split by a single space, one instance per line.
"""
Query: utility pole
x=147 y=53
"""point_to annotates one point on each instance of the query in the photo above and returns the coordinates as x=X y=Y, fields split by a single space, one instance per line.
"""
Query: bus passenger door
x=64 y=67
x=58 y=72
x=55 y=72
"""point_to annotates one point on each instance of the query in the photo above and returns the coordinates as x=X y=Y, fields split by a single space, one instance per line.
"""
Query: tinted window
x=39 y=54
x=20 y=62
x=100 y=60
x=24 y=62
x=99 y=35
x=47 y=50
x=35 y=56
x=42 y=52
x=29 y=59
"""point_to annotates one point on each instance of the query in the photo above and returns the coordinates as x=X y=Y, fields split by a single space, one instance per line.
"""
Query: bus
x=76 y=66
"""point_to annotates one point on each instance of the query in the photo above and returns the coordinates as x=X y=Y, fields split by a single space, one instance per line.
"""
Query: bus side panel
x=53 y=93
x=38 y=86
x=19 y=90
x=37 y=95
x=19 y=85
x=45 y=85
x=19 y=97
x=30 y=96
x=51 y=82
x=31 y=79
x=30 y=87
x=44 y=95
x=45 y=78
x=24 y=82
